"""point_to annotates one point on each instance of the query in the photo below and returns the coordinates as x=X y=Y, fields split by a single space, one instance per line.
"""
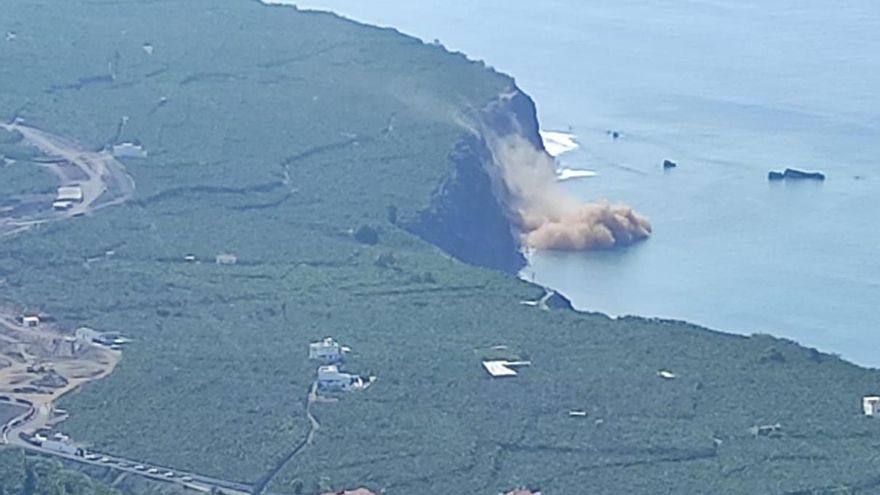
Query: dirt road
x=102 y=178
x=40 y=364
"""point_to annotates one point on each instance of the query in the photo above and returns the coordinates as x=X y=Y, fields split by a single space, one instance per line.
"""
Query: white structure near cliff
x=871 y=405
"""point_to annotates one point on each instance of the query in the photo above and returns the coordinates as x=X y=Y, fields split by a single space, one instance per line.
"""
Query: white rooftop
x=327 y=369
x=503 y=368
x=69 y=193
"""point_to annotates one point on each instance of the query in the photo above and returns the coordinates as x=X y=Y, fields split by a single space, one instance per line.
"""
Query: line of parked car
x=142 y=468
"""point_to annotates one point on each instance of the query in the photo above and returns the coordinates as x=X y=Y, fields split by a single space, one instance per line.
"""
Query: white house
x=129 y=150
x=871 y=405
x=72 y=194
x=327 y=350
x=30 y=320
x=329 y=377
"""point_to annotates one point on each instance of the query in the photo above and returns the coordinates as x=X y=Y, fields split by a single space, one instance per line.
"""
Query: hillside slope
x=275 y=135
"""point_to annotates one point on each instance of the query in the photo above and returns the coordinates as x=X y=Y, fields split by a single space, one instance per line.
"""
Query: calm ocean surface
x=729 y=89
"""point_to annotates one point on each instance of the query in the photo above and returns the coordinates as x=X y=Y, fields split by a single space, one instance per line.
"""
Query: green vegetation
x=21 y=476
x=280 y=136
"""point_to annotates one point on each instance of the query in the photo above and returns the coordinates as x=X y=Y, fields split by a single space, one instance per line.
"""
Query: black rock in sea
x=791 y=173
x=667 y=164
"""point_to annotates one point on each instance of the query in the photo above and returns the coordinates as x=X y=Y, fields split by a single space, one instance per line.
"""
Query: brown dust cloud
x=550 y=218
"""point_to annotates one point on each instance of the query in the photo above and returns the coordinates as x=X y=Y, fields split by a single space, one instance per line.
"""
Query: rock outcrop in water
x=791 y=173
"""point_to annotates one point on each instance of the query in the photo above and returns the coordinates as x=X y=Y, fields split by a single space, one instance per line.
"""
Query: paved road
x=153 y=472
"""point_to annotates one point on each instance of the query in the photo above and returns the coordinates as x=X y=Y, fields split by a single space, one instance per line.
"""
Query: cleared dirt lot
x=39 y=364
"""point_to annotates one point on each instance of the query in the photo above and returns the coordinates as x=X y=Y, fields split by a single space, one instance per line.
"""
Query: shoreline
x=561 y=142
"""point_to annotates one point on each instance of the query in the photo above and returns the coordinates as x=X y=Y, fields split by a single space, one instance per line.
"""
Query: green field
x=274 y=134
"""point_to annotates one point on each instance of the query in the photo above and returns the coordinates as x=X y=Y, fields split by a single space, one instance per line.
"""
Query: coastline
x=219 y=347
x=565 y=142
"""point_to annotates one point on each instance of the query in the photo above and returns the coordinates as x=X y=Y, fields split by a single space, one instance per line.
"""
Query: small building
x=226 y=259
x=30 y=320
x=500 y=369
x=129 y=150
x=62 y=444
x=766 y=430
x=871 y=405
x=190 y=258
x=72 y=194
x=330 y=378
x=666 y=374
x=327 y=351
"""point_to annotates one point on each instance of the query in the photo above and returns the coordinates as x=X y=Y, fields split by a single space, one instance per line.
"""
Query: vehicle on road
x=105 y=460
x=92 y=457
x=186 y=479
x=140 y=467
x=168 y=474
x=153 y=471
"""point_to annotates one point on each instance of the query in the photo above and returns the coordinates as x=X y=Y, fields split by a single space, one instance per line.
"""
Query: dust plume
x=550 y=218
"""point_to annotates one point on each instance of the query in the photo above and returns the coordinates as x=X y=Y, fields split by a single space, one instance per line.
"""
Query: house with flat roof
x=871 y=405
x=30 y=320
x=327 y=351
x=500 y=369
x=72 y=194
x=330 y=378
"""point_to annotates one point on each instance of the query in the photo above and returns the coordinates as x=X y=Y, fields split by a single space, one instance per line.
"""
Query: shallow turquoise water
x=729 y=89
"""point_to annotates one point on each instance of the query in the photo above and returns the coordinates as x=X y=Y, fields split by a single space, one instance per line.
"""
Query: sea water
x=729 y=90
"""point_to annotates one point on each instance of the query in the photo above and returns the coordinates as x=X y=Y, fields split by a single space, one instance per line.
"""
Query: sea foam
x=557 y=143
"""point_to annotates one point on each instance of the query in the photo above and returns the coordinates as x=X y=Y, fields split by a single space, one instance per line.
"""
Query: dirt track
x=102 y=178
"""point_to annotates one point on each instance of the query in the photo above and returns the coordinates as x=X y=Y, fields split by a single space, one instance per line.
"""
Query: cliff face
x=469 y=216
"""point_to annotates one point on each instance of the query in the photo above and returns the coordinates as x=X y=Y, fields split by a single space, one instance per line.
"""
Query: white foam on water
x=556 y=143
x=574 y=173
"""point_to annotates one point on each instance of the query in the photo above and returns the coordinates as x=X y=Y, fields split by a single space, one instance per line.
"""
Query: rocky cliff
x=469 y=215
